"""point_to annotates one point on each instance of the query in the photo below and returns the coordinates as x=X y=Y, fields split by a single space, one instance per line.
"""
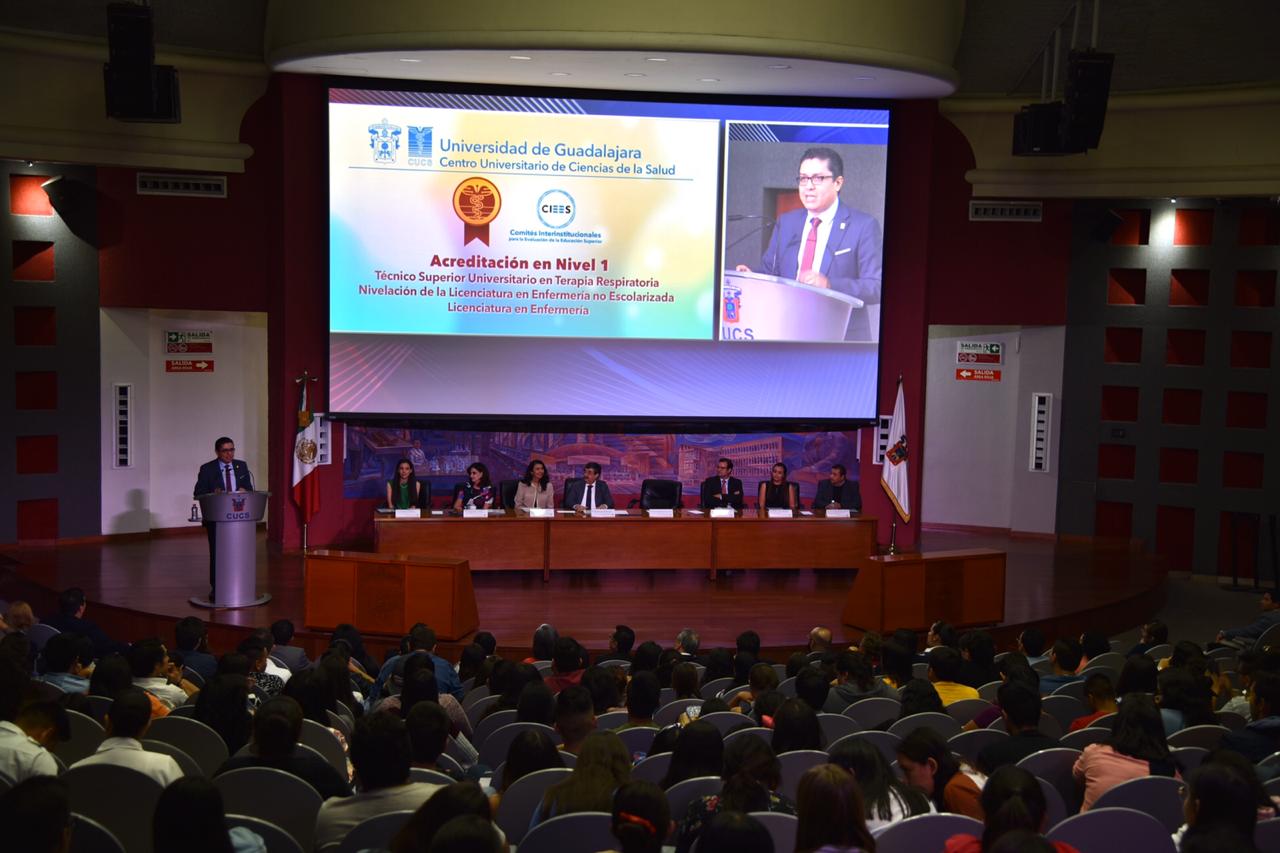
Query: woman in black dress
x=777 y=492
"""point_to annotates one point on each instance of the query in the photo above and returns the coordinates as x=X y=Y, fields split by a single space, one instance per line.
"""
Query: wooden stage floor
x=139 y=587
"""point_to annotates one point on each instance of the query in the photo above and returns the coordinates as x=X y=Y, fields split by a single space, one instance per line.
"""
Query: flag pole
x=301 y=381
x=893 y=536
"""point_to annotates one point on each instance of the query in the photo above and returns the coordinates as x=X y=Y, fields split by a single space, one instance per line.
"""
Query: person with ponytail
x=751 y=777
x=1013 y=802
x=829 y=808
x=641 y=817
x=885 y=797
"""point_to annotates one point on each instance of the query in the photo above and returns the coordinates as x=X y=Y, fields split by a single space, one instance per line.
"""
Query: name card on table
x=838 y=513
x=408 y=513
x=475 y=513
x=604 y=513
x=662 y=513
x=722 y=512
x=542 y=512
x=779 y=512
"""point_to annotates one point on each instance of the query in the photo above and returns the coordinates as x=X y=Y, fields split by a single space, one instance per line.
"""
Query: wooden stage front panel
x=505 y=542
x=751 y=542
x=628 y=542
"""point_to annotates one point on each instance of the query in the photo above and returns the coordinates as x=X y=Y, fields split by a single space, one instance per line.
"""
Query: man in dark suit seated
x=721 y=490
x=590 y=492
x=70 y=620
x=838 y=492
x=224 y=474
x=294 y=657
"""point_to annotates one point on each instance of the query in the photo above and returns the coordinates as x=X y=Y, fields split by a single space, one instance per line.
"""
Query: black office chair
x=424 y=498
x=507 y=493
x=568 y=485
x=660 y=494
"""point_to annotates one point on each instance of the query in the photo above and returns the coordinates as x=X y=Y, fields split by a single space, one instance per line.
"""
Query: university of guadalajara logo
x=476 y=201
x=898 y=453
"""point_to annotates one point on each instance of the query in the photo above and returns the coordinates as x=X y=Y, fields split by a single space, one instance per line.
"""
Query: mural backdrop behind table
x=443 y=456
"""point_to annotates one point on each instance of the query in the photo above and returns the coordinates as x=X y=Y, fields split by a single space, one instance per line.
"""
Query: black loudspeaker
x=130 y=38
x=1085 y=103
x=136 y=88
x=1035 y=130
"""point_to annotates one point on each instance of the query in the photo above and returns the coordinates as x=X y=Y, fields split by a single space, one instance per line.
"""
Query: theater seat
x=660 y=494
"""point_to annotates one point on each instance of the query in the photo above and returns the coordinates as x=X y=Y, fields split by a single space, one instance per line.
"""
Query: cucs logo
x=556 y=209
x=419 y=146
x=237 y=504
x=476 y=202
x=384 y=139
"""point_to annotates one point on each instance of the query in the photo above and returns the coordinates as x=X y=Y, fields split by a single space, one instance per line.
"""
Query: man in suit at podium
x=224 y=474
x=590 y=492
x=722 y=489
x=826 y=244
x=838 y=492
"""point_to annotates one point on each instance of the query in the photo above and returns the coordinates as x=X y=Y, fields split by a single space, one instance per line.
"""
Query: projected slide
x=485 y=223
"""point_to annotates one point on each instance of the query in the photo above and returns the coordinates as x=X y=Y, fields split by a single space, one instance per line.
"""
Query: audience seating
x=581 y=832
x=1111 y=660
x=1063 y=708
x=491 y=724
x=1054 y=766
x=1158 y=796
x=474 y=695
x=123 y=800
x=968 y=744
x=89 y=836
x=836 y=726
x=761 y=732
x=787 y=687
x=1272 y=787
x=794 y=764
x=940 y=723
x=1075 y=689
x=1203 y=736
x=186 y=763
x=460 y=756
x=1160 y=652
x=276 y=839
x=516 y=808
x=1081 y=738
x=782 y=828
x=494 y=750
x=666 y=696
x=611 y=720
x=920 y=671
x=39 y=634
x=727 y=721
x=1113 y=831
x=450 y=764
x=339 y=722
x=713 y=688
x=653 y=768
x=780 y=669
x=989 y=690
x=883 y=741
x=670 y=713
x=1049 y=725
x=1106 y=721
x=870 y=713
x=924 y=832
x=431 y=777
x=965 y=710
x=86 y=736
x=681 y=794
x=272 y=795
x=184 y=711
x=374 y=833
x=99 y=705
x=1267 y=836
x=327 y=744
x=638 y=740
x=1270 y=637
x=1231 y=720
x=1188 y=758
x=477 y=709
x=625 y=664
x=195 y=739
x=1055 y=810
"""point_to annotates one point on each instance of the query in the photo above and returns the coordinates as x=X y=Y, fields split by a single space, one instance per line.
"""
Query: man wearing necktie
x=590 y=492
x=723 y=489
x=224 y=474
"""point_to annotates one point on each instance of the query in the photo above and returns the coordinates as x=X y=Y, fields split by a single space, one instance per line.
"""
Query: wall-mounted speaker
x=1035 y=130
x=136 y=88
x=1085 y=103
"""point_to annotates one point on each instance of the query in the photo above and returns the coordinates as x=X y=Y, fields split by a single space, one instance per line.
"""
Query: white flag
x=893 y=475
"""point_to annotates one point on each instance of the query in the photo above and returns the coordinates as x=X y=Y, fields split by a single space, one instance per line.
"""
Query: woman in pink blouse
x=1136 y=748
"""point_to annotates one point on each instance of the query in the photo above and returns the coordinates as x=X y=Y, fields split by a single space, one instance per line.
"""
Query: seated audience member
x=641 y=817
x=813 y=688
x=687 y=644
x=666 y=663
x=1013 y=801
x=277 y=728
x=919 y=697
x=885 y=797
x=735 y=832
x=567 y=665
x=819 y=640
x=777 y=492
x=337 y=666
x=189 y=818
x=1224 y=792
x=1261 y=737
x=191 y=637
x=470 y=833
x=470 y=660
x=1031 y=643
x=510 y=679
x=1065 y=658
x=829 y=809
x=795 y=726
x=535 y=489
x=36 y=816
x=1013 y=669
x=529 y=752
x=643 y=694
x=838 y=491
x=749 y=642
x=603 y=687
x=451 y=801
x=751 y=776
x=19 y=617
x=127 y=722
x=797 y=662
x=478 y=492
x=719 y=665
x=1100 y=696
x=294 y=657
x=1185 y=700
x=313 y=693
x=944 y=670
x=603 y=764
x=978 y=652
x=698 y=751
x=910 y=641
x=68 y=662
x=44 y=722
x=896 y=662
x=1138 y=675
x=684 y=680
x=1248 y=664
x=428 y=726
x=349 y=634
x=574 y=717
x=543 y=646
x=646 y=657
x=621 y=641
x=255 y=651
x=70 y=620
x=536 y=705
x=21 y=755
x=381 y=752
x=273 y=667
x=855 y=682
x=113 y=674
x=1021 y=711
x=940 y=634
x=1136 y=748
x=422 y=641
x=762 y=678
x=1244 y=636
x=1092 y=645
x=929 y=767
x=1153 y=634
x=223 y=705
x=156 y=674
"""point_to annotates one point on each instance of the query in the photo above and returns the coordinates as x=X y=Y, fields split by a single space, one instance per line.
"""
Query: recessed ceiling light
x=517 y=57
x=655 y=59
x=864 y=77
x=779 y=67
x=402 y=59
x=633 y=74
x=560 y=74
x=708 y=79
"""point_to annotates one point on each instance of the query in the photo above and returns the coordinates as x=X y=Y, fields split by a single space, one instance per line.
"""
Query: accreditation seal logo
x=476 y=202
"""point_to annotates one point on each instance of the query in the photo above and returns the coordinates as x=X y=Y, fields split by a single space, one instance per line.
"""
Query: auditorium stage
x=138 y=586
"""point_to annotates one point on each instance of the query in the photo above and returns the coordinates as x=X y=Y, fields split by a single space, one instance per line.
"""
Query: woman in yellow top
x=403 y=490
x=535 y=489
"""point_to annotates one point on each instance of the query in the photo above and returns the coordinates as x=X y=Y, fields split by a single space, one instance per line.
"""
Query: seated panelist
x=722 y=489
x=838 y=492
x=590 y=492
x=777 y=492
x=403 y=490
x=478 y=492
x=534 y=489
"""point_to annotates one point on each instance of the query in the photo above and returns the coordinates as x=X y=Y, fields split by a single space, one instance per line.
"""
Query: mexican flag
x=893 y=475
x=306 y=451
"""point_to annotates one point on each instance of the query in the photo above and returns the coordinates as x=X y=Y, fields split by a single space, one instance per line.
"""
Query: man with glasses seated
x=827 y=244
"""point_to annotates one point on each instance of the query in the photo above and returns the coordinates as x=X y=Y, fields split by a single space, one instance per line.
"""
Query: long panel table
x=633 y=541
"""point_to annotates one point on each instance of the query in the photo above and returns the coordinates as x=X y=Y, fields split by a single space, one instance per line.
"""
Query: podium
x=236 y=515
x=773 y=308
x=913 y=590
